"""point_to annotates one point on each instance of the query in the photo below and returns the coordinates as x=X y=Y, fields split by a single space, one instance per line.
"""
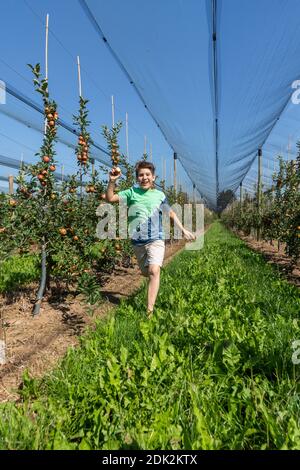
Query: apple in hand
x=115 y=172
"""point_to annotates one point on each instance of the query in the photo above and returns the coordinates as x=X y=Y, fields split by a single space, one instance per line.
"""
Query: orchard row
x=276 y=214
x=58 y=220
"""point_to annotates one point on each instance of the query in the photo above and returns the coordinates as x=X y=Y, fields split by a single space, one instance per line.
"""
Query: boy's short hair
x=143 y=164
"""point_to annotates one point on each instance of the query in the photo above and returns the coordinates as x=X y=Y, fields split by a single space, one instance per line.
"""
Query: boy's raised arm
x=114 y=174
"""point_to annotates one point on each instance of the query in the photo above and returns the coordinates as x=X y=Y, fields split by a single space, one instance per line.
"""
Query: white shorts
x=150 y=253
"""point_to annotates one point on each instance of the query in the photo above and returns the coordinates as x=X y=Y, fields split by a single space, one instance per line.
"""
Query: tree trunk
x=41 y=290
x=2 y=339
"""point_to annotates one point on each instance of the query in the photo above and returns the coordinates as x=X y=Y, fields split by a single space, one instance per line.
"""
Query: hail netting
x=183 y=58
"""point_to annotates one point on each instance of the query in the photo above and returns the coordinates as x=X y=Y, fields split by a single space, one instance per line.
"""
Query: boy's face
x=145 y=178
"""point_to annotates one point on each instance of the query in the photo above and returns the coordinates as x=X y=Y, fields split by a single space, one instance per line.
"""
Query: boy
x=146 y=205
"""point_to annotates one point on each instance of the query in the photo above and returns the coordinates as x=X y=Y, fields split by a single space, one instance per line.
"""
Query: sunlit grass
x=211 y=370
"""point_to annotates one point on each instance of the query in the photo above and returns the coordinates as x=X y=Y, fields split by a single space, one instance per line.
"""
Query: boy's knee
x=153 y=270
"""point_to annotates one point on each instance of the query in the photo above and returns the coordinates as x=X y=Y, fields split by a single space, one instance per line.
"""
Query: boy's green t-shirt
x=145 y=208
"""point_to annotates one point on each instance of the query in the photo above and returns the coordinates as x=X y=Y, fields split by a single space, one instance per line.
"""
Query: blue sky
x=166 y=45
x=22 y=41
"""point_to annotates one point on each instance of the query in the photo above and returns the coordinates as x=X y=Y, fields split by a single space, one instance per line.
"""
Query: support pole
x=11 y=184
x=145 y=146
x=127 y=139
x=80 y=96
x=113 y=110
x=46 y=47
x=259 y=189
x=175 y=172
x=241 y=198
x=46 y=60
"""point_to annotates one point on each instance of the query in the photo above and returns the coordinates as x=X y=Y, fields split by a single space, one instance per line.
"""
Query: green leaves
x=35 y=70
x=210 y=370
x=279 y=214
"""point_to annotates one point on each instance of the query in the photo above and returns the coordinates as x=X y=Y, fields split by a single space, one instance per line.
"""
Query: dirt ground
x=274 y=256
x=37 y=343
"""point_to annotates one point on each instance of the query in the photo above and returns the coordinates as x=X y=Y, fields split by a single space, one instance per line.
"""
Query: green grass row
x=18 y=271
x=211 y=370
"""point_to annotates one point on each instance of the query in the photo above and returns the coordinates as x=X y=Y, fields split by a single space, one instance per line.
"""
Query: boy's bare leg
x=153 y=285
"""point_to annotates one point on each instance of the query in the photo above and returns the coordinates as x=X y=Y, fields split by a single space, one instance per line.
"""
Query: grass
x=17 y=271
x=211 y=370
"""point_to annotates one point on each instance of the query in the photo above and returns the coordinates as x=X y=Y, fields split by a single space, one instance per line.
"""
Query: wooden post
x=93 y=166
x=10 y=184
x=194 y=193
x=259 y=188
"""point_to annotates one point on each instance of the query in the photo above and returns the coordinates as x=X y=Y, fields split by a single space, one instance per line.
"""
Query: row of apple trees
x=58 y=220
